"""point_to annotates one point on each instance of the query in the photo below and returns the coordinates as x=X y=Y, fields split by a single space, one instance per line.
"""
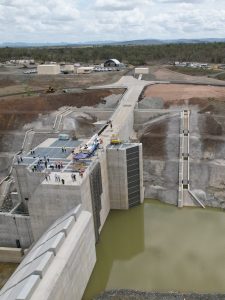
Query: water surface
x=6 y=270
x=157 y=247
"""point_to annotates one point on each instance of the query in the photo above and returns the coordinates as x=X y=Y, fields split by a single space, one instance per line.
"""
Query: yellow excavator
x=115 y=140
x=50 y=90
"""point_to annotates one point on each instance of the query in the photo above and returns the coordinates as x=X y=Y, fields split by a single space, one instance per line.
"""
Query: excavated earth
x=160 y=138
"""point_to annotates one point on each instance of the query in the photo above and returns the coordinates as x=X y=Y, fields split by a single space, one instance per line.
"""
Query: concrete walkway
x=122 y=118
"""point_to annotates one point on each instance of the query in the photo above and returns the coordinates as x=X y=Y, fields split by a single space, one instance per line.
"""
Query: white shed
x=68 y=68
x=84 y=70
x=48 y=69
x=141 y=70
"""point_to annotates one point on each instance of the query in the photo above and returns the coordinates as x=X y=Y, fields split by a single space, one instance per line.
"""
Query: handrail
x=196 y=198
x=25 y=137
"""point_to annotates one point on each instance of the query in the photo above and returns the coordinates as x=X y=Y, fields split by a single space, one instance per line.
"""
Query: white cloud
x=83 y=20
x=114 y=5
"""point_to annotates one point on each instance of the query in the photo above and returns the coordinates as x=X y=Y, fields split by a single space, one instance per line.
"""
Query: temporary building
x=84 y=70
x=52 y=69
x=141 y=70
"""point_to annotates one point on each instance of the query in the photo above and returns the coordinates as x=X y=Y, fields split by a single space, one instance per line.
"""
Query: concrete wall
x=49 y=202
x=15 y=227
x=26 y=181
x=59 y=265
x=67 y=278
x=105 y=194
x=48 y=69
x=10 y=255
x=117 y=176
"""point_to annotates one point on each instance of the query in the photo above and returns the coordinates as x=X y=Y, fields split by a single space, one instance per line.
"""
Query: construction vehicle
x=87 y=149
x=50 y=90
x=115 y=140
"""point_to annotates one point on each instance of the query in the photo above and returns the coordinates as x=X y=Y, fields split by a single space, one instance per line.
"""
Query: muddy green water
x=157 y=247
x=6 y=270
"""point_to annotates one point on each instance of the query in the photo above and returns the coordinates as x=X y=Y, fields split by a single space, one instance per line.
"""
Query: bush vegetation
x=193 y=71
x=136 y=55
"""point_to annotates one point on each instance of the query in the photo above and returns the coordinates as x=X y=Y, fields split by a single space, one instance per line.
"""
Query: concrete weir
x=65 y=215
x=60 y=217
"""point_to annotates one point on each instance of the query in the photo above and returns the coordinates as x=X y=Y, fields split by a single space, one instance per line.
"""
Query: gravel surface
x=137 y=295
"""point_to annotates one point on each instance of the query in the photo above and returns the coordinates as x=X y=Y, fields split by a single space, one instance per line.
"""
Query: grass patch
x=221 y=76
x=192 y=71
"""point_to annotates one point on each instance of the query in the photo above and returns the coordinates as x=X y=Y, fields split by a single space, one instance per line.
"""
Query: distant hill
x=98 y=43
x=163 y=42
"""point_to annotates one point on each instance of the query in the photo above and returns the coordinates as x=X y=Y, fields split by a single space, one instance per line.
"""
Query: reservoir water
x=157 y=247
x=6 y=270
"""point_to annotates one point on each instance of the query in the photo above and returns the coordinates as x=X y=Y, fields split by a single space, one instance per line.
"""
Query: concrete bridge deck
x=122 y=118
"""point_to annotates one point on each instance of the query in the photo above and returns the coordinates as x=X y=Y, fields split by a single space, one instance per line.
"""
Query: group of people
x=47 y=177
x=64 y=149
x=58 y=179
x=73 y=177
x=19 y=159
x=39 y=165
x=58 y=165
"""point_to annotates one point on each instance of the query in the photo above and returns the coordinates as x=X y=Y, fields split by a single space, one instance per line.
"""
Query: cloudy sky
x=97 y=20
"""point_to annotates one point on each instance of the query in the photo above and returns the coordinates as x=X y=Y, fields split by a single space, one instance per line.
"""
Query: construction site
x=72 y=151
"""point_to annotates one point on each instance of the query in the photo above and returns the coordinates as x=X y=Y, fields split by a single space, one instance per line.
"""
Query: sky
x=75 y=21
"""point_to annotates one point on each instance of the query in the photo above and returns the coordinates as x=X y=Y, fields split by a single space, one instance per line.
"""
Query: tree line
x=135 y=55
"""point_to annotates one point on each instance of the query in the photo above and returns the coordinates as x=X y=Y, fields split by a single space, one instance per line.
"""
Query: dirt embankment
x=162 y=73
x=155 y=146
x=21 y=83
x=207 y=141
x=173 y=92
x=15 y=112
x=6 y=81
